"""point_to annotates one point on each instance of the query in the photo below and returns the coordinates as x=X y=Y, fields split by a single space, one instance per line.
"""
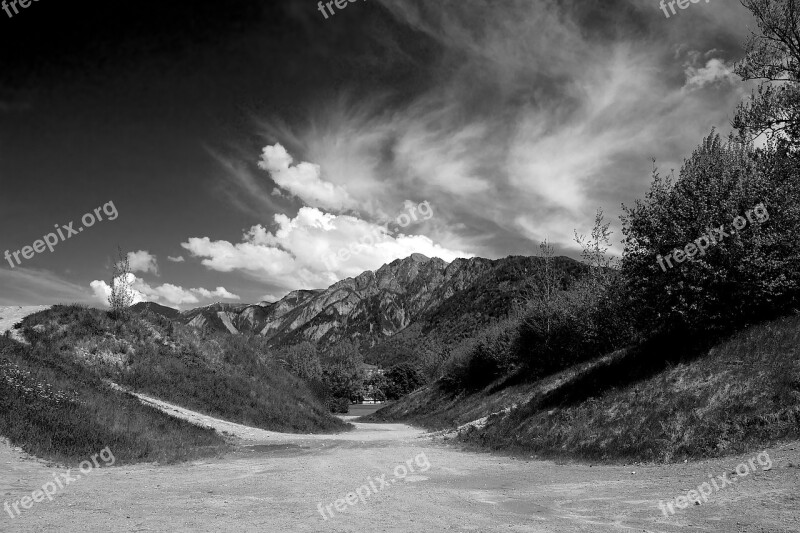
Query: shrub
x=746 y=277
x=479 y=360
x=339 y=405
x=400 y=380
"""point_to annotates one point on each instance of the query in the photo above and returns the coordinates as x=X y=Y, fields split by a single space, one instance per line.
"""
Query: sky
x=238 y=151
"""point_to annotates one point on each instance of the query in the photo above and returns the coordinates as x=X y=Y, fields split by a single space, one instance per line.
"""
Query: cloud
x=241 y=186
x=178 y=259
x=220 y=292
x=530 y=115
x=143 y=261
x=102 y=290
x=167 y=292
x=301 y=250
x=27 y=286
x=714 y=71
x=303 y=180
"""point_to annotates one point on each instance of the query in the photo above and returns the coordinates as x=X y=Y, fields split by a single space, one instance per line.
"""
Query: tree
x=303 y=361
x=743 y=277
x=402 y=379
x=375 y=387
x=342 y=370
x=565 y=325
x=122 y=295
x=773 y=57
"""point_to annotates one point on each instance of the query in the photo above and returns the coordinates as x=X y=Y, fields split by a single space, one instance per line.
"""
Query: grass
x=221 y=375
x=52 y=408
x=660 y=402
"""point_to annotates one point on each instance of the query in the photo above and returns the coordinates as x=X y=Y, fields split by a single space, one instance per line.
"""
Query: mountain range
x=410 y=301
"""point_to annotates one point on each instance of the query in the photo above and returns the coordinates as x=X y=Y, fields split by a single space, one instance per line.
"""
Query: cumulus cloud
x=299 y=252
x=220 y=292
x=165 y=293
x=303 y=180
x=143 y=261
x=102 y=290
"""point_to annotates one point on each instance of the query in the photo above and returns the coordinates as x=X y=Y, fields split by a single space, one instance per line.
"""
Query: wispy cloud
x=536 y=114
x=27 y=286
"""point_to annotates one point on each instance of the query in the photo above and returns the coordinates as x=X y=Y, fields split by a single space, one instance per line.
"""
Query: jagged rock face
x=368 y=308
x=371 y=306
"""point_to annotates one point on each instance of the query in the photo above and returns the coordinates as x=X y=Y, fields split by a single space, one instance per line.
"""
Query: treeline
x=339 y=377
x=745 y=277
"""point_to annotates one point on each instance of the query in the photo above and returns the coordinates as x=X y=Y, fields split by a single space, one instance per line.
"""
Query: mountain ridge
x=375 y=306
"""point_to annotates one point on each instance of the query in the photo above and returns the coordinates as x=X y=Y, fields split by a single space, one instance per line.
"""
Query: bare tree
x=772 y=57
x=121 y=297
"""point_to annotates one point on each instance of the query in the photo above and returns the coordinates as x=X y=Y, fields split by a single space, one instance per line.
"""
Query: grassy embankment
x=230 y=377
x=741 y=395
x=52 y=408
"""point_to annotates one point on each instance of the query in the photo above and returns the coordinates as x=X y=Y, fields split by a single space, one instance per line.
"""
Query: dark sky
x=251 y=139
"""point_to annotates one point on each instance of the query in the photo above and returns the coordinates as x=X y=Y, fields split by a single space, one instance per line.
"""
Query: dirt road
x=274 y=482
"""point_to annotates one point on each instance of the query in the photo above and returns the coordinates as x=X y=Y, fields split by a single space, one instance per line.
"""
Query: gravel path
x=276 y=482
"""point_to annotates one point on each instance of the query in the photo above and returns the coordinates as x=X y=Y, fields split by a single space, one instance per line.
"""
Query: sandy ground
x=10 y=315
x=275 y=482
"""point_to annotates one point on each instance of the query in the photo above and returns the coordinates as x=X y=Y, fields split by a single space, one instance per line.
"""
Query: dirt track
x=274 y=482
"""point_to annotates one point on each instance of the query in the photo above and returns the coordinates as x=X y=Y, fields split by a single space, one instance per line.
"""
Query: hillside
x=158 y=309
x=391 y=309
x=741 y=395
x=230 y=377
x=51 y=407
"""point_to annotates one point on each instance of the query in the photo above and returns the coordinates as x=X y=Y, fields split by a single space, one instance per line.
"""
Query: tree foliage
x=303 y=361
x=342 y=370
x=744 y=275
x=402 y=379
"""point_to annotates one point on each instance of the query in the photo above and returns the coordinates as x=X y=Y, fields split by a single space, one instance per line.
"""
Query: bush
x=479 y=360
x=339 y=405
x=402 y=379
x=749 y=276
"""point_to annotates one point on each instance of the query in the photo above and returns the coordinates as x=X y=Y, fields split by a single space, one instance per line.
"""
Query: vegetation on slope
x=660 y=401
x=706 y=255
x=227 y=376
x=743 y=395
x=51 y=407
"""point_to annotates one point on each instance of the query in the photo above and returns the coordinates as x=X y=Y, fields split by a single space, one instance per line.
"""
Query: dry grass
x=225 y=376
x=52 y=408
x=659 y=402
